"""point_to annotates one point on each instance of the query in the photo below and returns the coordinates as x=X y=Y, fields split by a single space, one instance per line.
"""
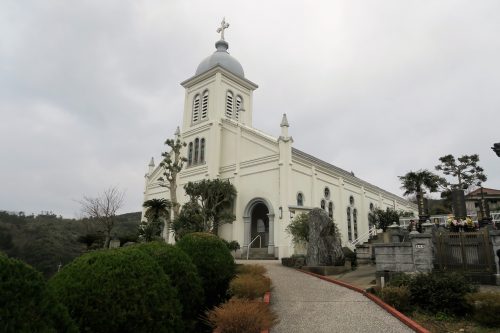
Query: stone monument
x=324 y=248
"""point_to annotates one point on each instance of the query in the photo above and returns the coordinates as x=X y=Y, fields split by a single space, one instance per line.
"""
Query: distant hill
x=45 y=241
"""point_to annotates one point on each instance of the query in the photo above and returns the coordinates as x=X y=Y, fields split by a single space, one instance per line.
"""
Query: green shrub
x=26 y=304
x=214 y=262
x=242 y=316
x=399 y=280
x=251 y=269
x=486 y=306
x=249 y=286
x=118 y=291
x=398 y=297
x=232 y=245
x=183 y=275
x=437 y=292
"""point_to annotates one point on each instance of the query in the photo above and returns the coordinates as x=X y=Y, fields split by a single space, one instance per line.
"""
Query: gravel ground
x=305 y=303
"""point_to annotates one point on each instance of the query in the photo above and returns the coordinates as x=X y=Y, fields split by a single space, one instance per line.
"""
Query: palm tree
x=157 y=209
x=414 y=182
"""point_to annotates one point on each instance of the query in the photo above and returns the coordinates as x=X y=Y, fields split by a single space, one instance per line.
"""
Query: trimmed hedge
x=26 y=304
x=215 y=264
x=183 y=275
x=437 y=291
x=118 y=291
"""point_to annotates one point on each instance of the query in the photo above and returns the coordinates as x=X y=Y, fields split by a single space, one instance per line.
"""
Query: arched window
x=196 y=108
x=326 y=192
x=355 y=220
x=239 y=106
x=349 y=226
x=323 y=204
x=202 y=151
x=351 y=200
x=300 y=199
x=330 y=209
x=196 y=150
x=204 y=105
x=229 y=104
x=190 y=154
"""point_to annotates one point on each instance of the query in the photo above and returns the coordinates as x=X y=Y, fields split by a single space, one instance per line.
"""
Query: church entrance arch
x=258 y=220
x=259 y=225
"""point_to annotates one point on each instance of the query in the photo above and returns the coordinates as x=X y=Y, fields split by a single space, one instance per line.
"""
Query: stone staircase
x=259 y=254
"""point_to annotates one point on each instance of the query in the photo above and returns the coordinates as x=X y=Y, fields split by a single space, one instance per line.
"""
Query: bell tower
x=217 y=93
x=218 y=90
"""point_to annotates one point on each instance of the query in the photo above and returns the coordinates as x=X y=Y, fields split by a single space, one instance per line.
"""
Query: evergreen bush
x=398 y=297
x=26 y=304
x=183 y=275
x=486 y=307
x=215 y=264
x=118 y=291
x=437 y=291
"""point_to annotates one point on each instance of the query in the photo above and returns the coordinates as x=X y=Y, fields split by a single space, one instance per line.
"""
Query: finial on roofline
x=284 y=121
x=152 y=162
x=223 y=26
x=177 y=132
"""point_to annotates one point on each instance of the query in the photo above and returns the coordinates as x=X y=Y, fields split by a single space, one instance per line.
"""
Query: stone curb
x=401 y=317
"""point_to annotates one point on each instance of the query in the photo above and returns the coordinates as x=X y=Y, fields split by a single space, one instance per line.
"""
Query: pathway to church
x=305 y=303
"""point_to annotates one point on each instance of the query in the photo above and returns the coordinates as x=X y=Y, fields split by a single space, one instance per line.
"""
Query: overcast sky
x=89 y=90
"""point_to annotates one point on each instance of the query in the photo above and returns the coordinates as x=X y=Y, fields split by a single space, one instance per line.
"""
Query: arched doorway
x=258 y=219
x=259 y=225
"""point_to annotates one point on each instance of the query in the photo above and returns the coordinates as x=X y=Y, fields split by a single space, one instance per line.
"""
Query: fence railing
x=464 y=251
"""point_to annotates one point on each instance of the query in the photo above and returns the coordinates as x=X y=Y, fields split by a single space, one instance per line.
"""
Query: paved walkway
x=305 y=303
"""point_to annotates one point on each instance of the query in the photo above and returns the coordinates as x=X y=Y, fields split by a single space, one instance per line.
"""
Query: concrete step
x=260 y=254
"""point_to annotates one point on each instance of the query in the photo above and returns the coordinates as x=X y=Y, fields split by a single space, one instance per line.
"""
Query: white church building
x=274 y=181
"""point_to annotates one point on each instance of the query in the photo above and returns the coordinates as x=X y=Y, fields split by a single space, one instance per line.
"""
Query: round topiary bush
x=118 y=291
x=215 y=264
x=183 y=275
x=26 y=304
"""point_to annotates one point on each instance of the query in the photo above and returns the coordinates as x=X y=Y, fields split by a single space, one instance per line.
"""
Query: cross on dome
x=223 y=26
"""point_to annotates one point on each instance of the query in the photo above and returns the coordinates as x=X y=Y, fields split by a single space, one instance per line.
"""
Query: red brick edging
x=404 y=319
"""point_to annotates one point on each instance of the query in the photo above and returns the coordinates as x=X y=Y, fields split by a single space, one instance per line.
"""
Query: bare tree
x=102 y=209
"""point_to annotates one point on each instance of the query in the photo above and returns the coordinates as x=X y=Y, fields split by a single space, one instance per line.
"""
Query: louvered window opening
x=204 y=106
x=229 y=104
x=239 y=102
x=196 y=108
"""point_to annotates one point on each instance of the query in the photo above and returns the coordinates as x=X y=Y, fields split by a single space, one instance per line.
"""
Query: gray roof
x=222 y=58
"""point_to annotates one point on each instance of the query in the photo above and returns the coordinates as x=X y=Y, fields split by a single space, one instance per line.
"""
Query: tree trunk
x=107 y=240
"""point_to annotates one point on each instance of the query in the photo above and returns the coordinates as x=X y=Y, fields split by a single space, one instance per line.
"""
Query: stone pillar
x=495 y=241
x=422 y=248
x=427 y=227
x=394 y=231
x=246 y=234
x=270 y=244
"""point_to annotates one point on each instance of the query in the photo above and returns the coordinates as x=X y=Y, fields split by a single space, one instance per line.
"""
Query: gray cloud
x=90 y=90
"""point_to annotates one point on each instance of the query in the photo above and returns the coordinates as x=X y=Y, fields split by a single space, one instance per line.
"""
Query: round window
x=327 y=193
x=351 y=200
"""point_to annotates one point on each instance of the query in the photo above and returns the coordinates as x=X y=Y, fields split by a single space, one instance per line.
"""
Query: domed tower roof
x=222 y=58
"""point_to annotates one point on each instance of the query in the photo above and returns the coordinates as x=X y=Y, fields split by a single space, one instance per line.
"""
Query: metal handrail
x=253 y=240
x=370 y=232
